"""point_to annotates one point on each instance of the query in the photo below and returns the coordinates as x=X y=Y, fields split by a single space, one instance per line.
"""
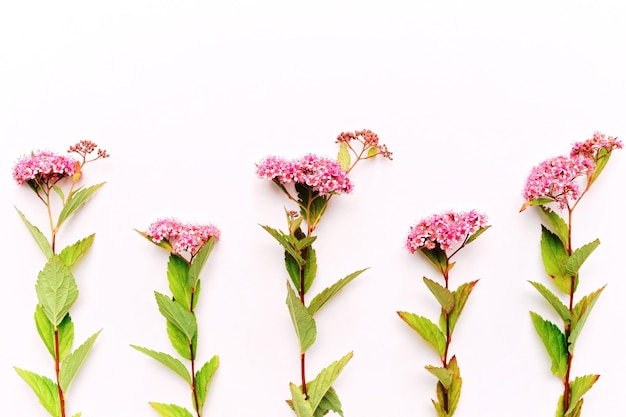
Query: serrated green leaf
x=536 y=202
x=328 y=293
x=71 y=254
x=162 y=244
x=558 y=224
x=170 y=362
x=343 y=157
x=299 y=403
x=438 y=408
x=554 y=341
x=302 y=320
x=578 y=388
x=73 y=362
x=170 y=410
x=442 y=374
x=461 y=294
x=285 y=243
x=454 y=392
x=602 y=158
x=75 y=201
x=475 y=235
x=179 y=341
x=442 y=294
x=199 y=260
x=46 y=332
x=437 y=257
x=318 y=387
x=554 y=257
x=310 y=268
x=56 y=290
x=330 y=402
x=305 y=242
x=45 y=390
x=578 y=257
x=577 y=410
x=559 y=407
x=427 y=330
x=579 y=316
x=40 y=239
x=203 y=379
x=178 y=279
x=176 y=314
x=554 y=301
x=373 y=151
x=293 y=269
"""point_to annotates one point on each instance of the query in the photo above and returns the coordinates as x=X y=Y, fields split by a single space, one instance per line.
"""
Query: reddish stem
x=57 y=368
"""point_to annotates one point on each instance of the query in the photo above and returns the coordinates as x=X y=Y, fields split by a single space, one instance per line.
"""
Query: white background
x=187 y=96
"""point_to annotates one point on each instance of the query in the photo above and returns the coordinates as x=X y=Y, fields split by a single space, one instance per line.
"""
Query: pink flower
x=320 y=174
x=444 y=230
x=183 y=237
x=555 y=178
x=591 y=147
x=43 y=167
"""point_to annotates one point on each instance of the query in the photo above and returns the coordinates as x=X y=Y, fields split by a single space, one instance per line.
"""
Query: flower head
x=444 y=230
x=591 y=147
x=183 y=237
x=322 y=175
x=555 y=178
x=43 y=167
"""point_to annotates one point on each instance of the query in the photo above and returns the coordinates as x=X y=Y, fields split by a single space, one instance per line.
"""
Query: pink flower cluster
x=556 y=178
x=184 y=237
x=591 y=147
x=445 y=229
x=321 y=174
x=44 y=167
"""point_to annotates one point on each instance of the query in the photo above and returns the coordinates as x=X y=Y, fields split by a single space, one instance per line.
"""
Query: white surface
x=188 y=96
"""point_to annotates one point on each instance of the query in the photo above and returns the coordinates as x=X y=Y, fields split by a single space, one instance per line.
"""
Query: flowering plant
x=316 y=180
x=189 y=246
x=440 y=237
x=563 y=181
x=47 y=174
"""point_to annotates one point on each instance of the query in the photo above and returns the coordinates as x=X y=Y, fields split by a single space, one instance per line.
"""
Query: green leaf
x=75 y=201
x=179 y=341
x=170 y=410
x=305 y=242
x=443 y=375
x=575 y=261
x=77 y=414
x=344 y=156
x=45 y=389
x=328 y=293
x=71 y=254
x=73 y=362
x=454 y=392
x=302 y=320
x=579 y=316
x=46 y=332
x=427 y=329
x=317 y=388
x=285 y=243
x=310 y=268
x=475 y=235
x=172 y=363
x=442 y=294
x=437 y=257
x=183 y=319
x=578 y=388
x=554 y=257
x=203 y=379
x=59 y=192
x=293 y=269
x=602 y=158
x=196 y=294
x=558 y=224
x=56 y=290
x=162 y=244
x=461 y=294
x=40 y=239
x=178 y=279
x=330 y=402
x=554 y=341
x=536 y=202
x=300 y=405
x=373 y=151
x=313 y=205
x=199 y=260
x=554 y=301
x=577 y=410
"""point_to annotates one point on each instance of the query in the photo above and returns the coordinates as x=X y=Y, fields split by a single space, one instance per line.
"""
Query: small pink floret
x=321 y=174
x=183 y=237
x=446 y=230
x=43 y=167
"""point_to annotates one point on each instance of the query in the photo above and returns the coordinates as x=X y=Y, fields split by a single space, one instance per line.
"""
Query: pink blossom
x=43 y=167
x=320 y=174
x=591 y=147
x=444 y=230
x=183 y=237
x=555 y=178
